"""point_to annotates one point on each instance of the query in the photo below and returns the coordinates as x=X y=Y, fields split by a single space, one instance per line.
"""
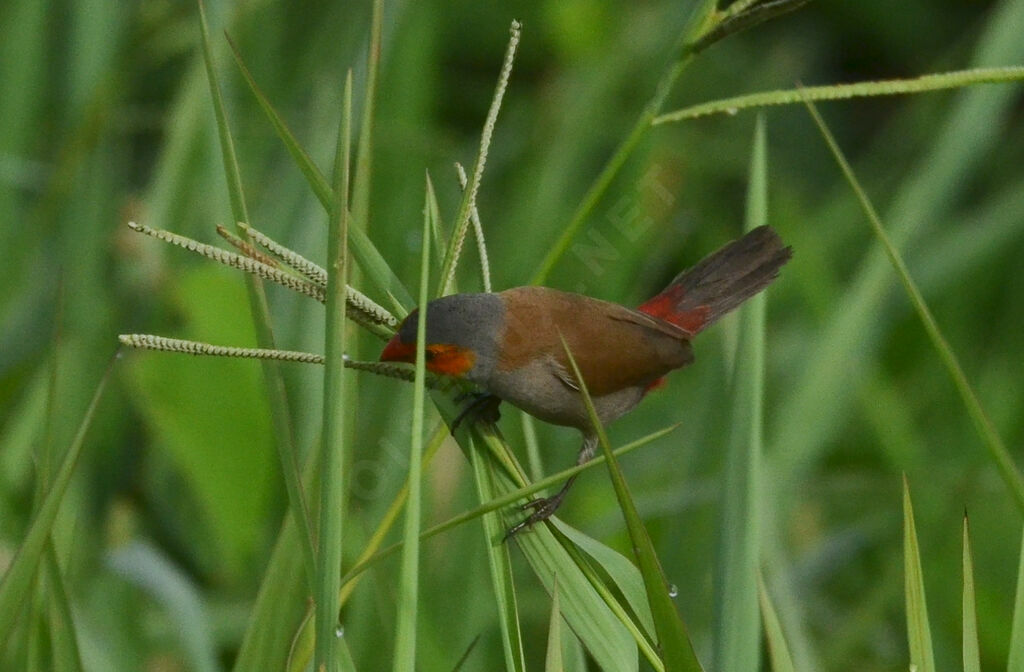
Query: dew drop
x=339 y=631
x=732 y=111
x=673 y=590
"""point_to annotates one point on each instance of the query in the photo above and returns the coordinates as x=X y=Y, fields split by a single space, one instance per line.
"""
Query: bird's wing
x=615 y=347
x=648 y=322
x=564 y=375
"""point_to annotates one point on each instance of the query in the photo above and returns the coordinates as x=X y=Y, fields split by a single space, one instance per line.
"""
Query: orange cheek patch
x=449 y=360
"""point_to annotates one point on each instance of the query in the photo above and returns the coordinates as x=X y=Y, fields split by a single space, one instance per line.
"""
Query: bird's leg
x=483 y=405
x=545 y=507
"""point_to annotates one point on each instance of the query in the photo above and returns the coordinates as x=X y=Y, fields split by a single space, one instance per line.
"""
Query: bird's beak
x=397 y=351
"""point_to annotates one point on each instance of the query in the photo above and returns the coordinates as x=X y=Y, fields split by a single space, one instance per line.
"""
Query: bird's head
x=461 y=336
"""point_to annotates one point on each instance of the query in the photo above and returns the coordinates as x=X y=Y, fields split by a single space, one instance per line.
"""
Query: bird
x=510 y=343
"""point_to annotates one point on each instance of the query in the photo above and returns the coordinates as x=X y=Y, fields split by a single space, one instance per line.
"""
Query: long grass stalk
x=468 y=203
x=18 y=579
x=276 y=396
x=364 y=154
x=813 y=413
x=335 y=408
x=705 y=26
x=677 y=650
x=888 y=87
x=365 y=253
x=408 y=593
x=737 y=627
x=986 y=430
x=922 y=656
x=611 y=169
x=500 y=563
x=302 y=642
x=502 y=501
x=553 y=659
x=1015 y=658
x=969 y=625
x=778 y=647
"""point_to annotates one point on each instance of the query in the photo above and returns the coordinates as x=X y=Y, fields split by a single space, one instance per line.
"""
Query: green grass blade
x=814 y=413
x=465 y=654
x=18 y=580
x=553 y=659
x=280 y=605
x=364 y=153
x=332 y=497
x=227 y=145
x=918 y=633
x=634 y=624
x=408 y=593
x=65 y=653
x=434 y=212
x=610 y=170
x=1015 y=659
x=63 y=637
x=468 y=203
x=889 y=87
x=314 y=177
x=585 y=611
x=676 y=649
x=587 y=614
x=302 y=648
x=365 y=253
x=276 y=396
x=495 y=503
x=987 y=432
x=345 y=661
x=622 y=572
x=778 y=648
x=737 y=628
x=972 y=656
x=534 y=463
x=701 y=20
x=500 y=561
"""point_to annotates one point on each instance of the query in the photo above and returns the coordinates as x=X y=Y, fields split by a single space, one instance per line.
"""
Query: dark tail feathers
x=721 y=281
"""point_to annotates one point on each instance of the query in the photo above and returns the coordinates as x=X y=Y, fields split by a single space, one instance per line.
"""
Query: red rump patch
x=655 y=384
x=665 y=306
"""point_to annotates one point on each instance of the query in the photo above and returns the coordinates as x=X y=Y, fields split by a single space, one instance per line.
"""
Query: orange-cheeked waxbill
x=510 y=343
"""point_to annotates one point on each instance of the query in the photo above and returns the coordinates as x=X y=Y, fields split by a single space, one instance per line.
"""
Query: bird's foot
x=483 y=405
x=543 y=508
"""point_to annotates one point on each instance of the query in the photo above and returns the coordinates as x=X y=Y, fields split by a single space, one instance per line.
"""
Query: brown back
x=614 y=346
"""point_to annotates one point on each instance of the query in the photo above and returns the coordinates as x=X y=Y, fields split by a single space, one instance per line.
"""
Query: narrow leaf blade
x=1015 y=660
x=972 y=656
x=778 y=648
x=918 y=632
x=676 y=647
x=737 y=627
x=18 y=580
x=408 y=596
x=553 y=660
x=501 y=566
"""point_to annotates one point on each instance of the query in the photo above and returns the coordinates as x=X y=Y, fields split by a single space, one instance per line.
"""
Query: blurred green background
x=105 y=116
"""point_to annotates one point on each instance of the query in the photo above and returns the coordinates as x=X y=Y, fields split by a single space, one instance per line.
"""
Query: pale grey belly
x=548 y=398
